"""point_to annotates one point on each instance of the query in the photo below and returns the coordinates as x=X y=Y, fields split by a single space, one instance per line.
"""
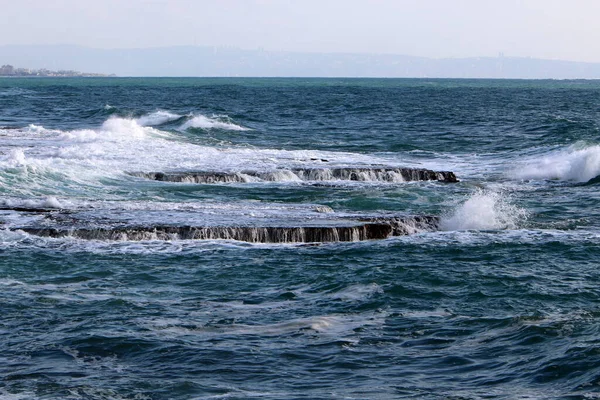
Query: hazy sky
x=553 y=29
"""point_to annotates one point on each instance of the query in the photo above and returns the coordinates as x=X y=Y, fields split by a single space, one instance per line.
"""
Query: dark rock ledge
x=363 y=174
x=368 y=229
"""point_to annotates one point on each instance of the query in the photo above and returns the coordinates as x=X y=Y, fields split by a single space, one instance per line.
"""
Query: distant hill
x=218 y=61
x=9 y=70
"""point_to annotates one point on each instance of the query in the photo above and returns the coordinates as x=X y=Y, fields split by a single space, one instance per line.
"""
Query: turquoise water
x=501 y=300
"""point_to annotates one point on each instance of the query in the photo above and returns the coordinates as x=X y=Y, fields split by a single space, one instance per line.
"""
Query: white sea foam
x=17 y=396
x=326 y=326
x=358 y=292
x=214 y=122
x=575 y=163
x=51 y=202
x=16 y=158
x=32 y=128
x=47 y=202
x=101 y=393
x=157 y=118
x=112 y=129
x=9 y=238
x=484 y=210
x=11 y=282
x=122 y=144
x=83 y=159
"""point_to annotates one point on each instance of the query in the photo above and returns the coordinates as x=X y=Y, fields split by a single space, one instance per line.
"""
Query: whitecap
x=47 y=202
x=157 y=118
x=17 y=158
x=215 y=122
x=51 y=202
x=484 y=210
x=575 y=163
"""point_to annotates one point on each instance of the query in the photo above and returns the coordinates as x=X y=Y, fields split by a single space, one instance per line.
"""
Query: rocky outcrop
x=370 y=229
x=363 y=174
x=402 y=226
x=593 y=181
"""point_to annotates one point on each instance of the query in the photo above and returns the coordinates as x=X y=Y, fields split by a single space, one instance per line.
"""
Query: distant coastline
x=10 y=71
x=215 y=61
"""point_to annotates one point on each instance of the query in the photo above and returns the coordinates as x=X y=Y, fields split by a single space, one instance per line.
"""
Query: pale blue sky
x=553 y=29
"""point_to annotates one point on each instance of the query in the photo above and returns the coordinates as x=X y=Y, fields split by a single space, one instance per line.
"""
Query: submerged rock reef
x=342 y=231
x=363 y=174
x=318 y=224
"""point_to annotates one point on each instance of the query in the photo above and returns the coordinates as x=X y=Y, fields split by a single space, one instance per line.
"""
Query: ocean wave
x=321 y=327
x=16 y=158
x=112 y=129
x=157 y=118
x=47 y=202
x=577 y=163
x=215 y=122
x=484 y=210
x=15 y=91
x=189 y=121
x=124 y=144
x=40 y=161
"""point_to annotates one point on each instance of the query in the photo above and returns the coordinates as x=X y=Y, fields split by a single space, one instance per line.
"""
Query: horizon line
x=501 y=55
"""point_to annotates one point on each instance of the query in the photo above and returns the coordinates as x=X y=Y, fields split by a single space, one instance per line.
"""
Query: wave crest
x=571 y=164
x=215 y=122
x=113 y=129
x=484 y=210
x=192 y=121
x=157 y=118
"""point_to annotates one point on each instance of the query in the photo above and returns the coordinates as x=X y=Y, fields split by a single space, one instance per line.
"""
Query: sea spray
x=17 y=158
x=113 y=129
x=215 y=122
x=484 y=210
x=157 y=118
x=575 y=163
x=45 y=203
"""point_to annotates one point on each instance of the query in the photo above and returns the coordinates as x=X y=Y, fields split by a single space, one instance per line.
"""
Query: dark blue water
x=500 y=301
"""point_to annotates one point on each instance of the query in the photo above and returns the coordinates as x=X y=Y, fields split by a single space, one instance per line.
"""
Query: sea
x=241 y=238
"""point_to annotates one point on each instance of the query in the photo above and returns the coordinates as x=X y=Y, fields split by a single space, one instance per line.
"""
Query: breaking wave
x=158 y=118
x=111 y=130
x=48 y=202
x=40 y=161
x=576 y=163
x=123 y=144
x=190 y=121
x=484 y=210
x=215 y=122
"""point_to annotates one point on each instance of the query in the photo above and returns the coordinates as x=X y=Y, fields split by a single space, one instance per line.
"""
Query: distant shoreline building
x=9 y=70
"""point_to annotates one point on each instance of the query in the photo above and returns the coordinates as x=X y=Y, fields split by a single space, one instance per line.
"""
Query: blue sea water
x=501 y=301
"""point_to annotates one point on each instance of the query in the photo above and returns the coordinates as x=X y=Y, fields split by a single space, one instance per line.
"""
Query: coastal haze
x=232 y=62
x=457 y=39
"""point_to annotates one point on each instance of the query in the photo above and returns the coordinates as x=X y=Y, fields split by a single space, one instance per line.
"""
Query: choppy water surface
x=499 y=299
